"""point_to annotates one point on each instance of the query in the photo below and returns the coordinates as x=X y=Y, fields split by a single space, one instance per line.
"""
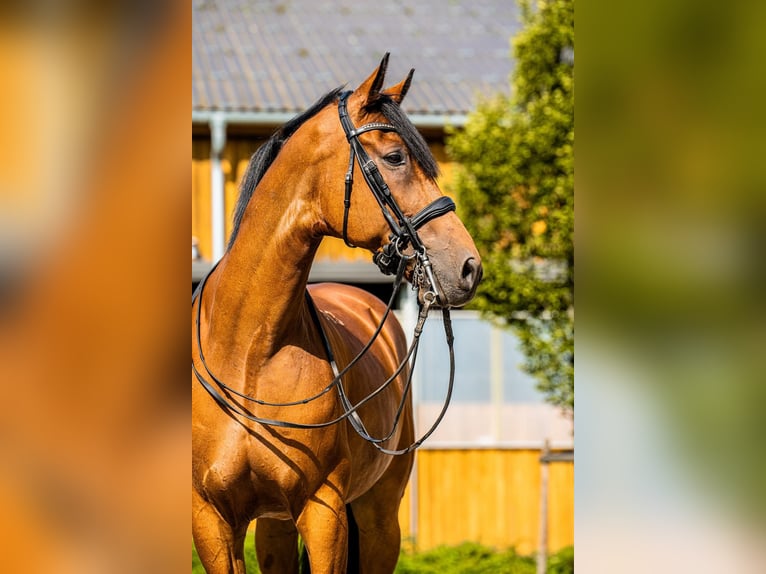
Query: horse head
x=391 y=203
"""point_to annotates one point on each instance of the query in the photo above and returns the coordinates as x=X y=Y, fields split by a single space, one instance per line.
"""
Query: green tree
x=515 y=185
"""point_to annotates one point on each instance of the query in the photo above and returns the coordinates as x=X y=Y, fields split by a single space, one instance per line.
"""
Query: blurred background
x=94 y=423
x=94 y=435
x=669 y=234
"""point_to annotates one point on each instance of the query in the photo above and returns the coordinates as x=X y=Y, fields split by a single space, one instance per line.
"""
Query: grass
x=467 y=558
x=472 y=558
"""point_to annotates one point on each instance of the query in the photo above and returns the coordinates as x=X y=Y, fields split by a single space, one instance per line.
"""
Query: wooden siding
x=234 y=161
x=491 y=496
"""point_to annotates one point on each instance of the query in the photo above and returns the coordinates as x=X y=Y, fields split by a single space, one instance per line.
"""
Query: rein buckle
x=387 y=259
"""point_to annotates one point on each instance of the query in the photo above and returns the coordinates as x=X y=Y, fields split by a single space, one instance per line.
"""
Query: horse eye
x=394 y=158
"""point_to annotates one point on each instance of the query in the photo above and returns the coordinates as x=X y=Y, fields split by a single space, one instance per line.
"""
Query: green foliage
x=251 y=561
x=196 y=564
x=515 y=184
x=562 y=562
x=468 y=558
x=471 y=558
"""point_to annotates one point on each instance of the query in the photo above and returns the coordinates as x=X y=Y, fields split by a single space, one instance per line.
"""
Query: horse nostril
x=471 y=273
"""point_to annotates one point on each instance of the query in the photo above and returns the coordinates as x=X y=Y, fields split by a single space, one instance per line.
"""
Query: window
x=494 y=402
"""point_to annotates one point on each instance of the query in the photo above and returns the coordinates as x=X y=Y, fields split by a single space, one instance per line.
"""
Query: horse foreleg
x=324 y=528
x=276 y=544
x=219 y=546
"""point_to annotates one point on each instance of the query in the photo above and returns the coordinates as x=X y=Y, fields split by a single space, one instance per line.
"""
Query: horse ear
x=398 y=91
x=370 y=88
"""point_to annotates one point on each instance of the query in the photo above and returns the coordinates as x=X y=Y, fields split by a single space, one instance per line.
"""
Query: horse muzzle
x=457 y=281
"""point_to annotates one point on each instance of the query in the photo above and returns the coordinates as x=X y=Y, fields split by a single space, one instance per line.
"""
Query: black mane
x=267 y=153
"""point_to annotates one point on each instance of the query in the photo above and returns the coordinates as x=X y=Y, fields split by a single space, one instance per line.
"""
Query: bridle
x=404 y=230
x=390 y=259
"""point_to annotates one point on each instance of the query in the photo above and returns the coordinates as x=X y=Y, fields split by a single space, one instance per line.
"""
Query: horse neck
x=257 y=304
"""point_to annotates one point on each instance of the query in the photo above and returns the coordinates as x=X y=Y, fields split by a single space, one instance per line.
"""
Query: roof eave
x=245 y=118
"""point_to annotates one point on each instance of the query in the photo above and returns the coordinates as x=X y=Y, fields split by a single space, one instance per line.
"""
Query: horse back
x=354 y=313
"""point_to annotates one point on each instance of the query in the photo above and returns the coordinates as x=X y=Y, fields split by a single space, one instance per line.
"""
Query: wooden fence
x=491 y=496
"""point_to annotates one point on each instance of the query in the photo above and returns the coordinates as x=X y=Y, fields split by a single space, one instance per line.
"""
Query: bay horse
x=269 y=441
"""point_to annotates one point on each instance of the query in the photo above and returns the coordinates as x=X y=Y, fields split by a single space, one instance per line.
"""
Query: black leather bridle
x=390 y=259
x=404 y=230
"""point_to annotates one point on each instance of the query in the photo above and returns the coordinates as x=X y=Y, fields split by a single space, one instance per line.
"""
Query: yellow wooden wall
x=490 y=496
x=233 y=163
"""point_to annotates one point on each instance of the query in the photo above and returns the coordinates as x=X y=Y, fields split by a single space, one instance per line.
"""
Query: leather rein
x=390 y=259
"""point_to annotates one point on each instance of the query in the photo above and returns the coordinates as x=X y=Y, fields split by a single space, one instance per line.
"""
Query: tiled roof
x=281 y=55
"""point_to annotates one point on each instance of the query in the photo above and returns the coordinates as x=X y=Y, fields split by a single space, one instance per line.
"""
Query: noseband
x=404 y=230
